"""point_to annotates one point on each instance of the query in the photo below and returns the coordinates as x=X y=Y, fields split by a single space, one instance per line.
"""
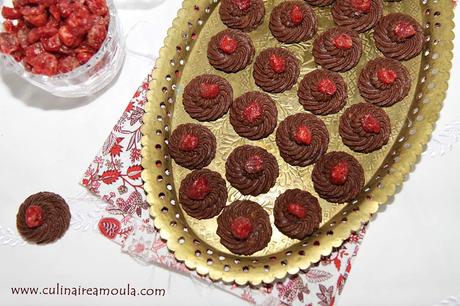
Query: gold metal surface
x=184 y=56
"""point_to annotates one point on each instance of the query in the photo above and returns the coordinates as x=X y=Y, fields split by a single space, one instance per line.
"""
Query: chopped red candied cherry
x=44 y=63
x=55 y=12
x=277 y=63
x=343 y=41
x=65 y=7
x=242 y=4
x=296 y=15
x=387 y=76
x=33 y=51
x=27 y=10
x=297 y=210
x=339 y=173
x=241 y=227
x=370 y=124
x=97 y=7
x=188 y=142
x=404 y=30
x=9 y=26
x=96 y=36
x=303 y=135
x=22 y=37
x=252 y=112
x=10 y=13
x=33 y=36
x=8 y=43
x=327 y=86
x=37 y=20
x=66 y=36
x=361 y=5
x=254 y=164
x=199 y=189
x=34 y=216
x=79 y=21
x=67 y=64
x=209 y=91
x=228 y=44
x=51 y=44
x=84 y=53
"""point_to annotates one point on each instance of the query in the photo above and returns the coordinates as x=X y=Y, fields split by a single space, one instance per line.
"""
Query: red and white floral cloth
x=115 y=177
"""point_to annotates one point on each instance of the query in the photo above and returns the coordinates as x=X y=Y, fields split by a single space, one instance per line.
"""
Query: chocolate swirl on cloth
x=207 y=97
x=244 y=227
x=251 y=170
x=320 y=2
x=293 y=22
x=203 y=194
x=302 y=139
x=244 y=15
x=323 y=92
x=276 y=70
x=338 y=49
x=384 y=82
x=399 y=36
x=192 y=146
x=365 y=127
x=43 y=218
x=254 y=115
x=297 y=213
x=230 y=51
x=358 y=15
x=338 y=177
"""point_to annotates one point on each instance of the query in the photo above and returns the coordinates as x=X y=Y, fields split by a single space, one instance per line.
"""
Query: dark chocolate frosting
x=293 y=22
x=294 y=225
x=383 y=93
x=207 y=108
x=195 y=156
x=270 y=80
x=244 y=15
x=258 y=237
x=359 y=18
x=320 y=2
x=329 y=56
x=234 y=60
x=394 y=46
x=254 y=115
x=203 y=202
x=55 y=218
x=251 y=170
x=338 y=193
x=322 y=101
x=295 y=151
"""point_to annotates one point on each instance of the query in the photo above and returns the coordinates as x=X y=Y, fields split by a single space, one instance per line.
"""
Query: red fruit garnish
x=37 y=20
x=67 y=64
x=326 y=86
x=44 y=63
x=228 y=44
x=199 y=189
x=209 y=91
x=8 y=43
x=343 y=41
x=370 y=124
x=188 y=142
x=242 y=4
x=96 y=36
x=361 y=5
x=52 y=44
x=241 y=227
x=34 y=216
x=66 y=36
x=339 y=173
x=404 y=30
x=252 y=112
x=277 y=63
x=254 y=164
x=10 y=13
x=303 y=135
x=296 y=15
x=97 y=7
x=297 y=210
x=386 y=76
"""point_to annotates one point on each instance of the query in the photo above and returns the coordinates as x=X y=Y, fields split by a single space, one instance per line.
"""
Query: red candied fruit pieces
x=98 y=7
x=8 y=43
x=11 y=13
x=277 y=63
x=188 y=143
x=339 y=173
x=34 y=216
x=404 y=30
x=254 y=164
x=199 y=189
x=387 y=76
x=297 y=210
x=241 y=227
x=67 y=64
x=228 y=44
x=327 y=86
x=296 y=15
x=371 y=124
x=343 y=41
x=361 y=5
x=96 y=36
x=209 y=90
x=51 y=44
x=44 y=63
x=242 y=4
x=252 y=112
x=303 y=135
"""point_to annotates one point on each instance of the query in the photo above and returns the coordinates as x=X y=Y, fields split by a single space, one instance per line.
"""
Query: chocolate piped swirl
x=55 y=217
x=199 y=203
x=338 y=193
x=287 y=30
x=207 y=108
x=319 y=102
x=298 y=151
x=398 y=47
x=233 y=61
x=196 y=153
x=252 y=170
x=254 y=115
x=297 y=226
x=320 y=2
x=244 y=15
x=331 y=57
x=360 y=19
x=378 y=92
x=259 y=236
x=270 y=80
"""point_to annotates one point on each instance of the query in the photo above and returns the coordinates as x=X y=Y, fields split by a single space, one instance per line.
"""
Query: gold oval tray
x=184 y=57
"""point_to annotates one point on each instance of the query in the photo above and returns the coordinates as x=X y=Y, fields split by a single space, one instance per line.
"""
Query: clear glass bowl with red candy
x=70 y=48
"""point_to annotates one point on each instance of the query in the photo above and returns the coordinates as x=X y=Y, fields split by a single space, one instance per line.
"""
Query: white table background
x=410 y=255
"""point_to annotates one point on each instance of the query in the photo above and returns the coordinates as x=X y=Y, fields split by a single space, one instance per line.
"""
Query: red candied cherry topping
x=199 y=189
x=241 y=227
x=242 y=4
x=188 y=143
x=296 y=15
x=34 y=216
x=327 y=86
x=339 y=173
x=277 y=63
x=208 y=90
x=254 y=164
x=370 y=124
x=228 y=44
x=387 y=76
x=297 y=210
x=361 y=5
x=404 y=30
x=252 y=112
x=343 y=41
x=303 y=135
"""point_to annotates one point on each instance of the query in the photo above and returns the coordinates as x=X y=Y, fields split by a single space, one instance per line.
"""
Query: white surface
x=409 y=256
